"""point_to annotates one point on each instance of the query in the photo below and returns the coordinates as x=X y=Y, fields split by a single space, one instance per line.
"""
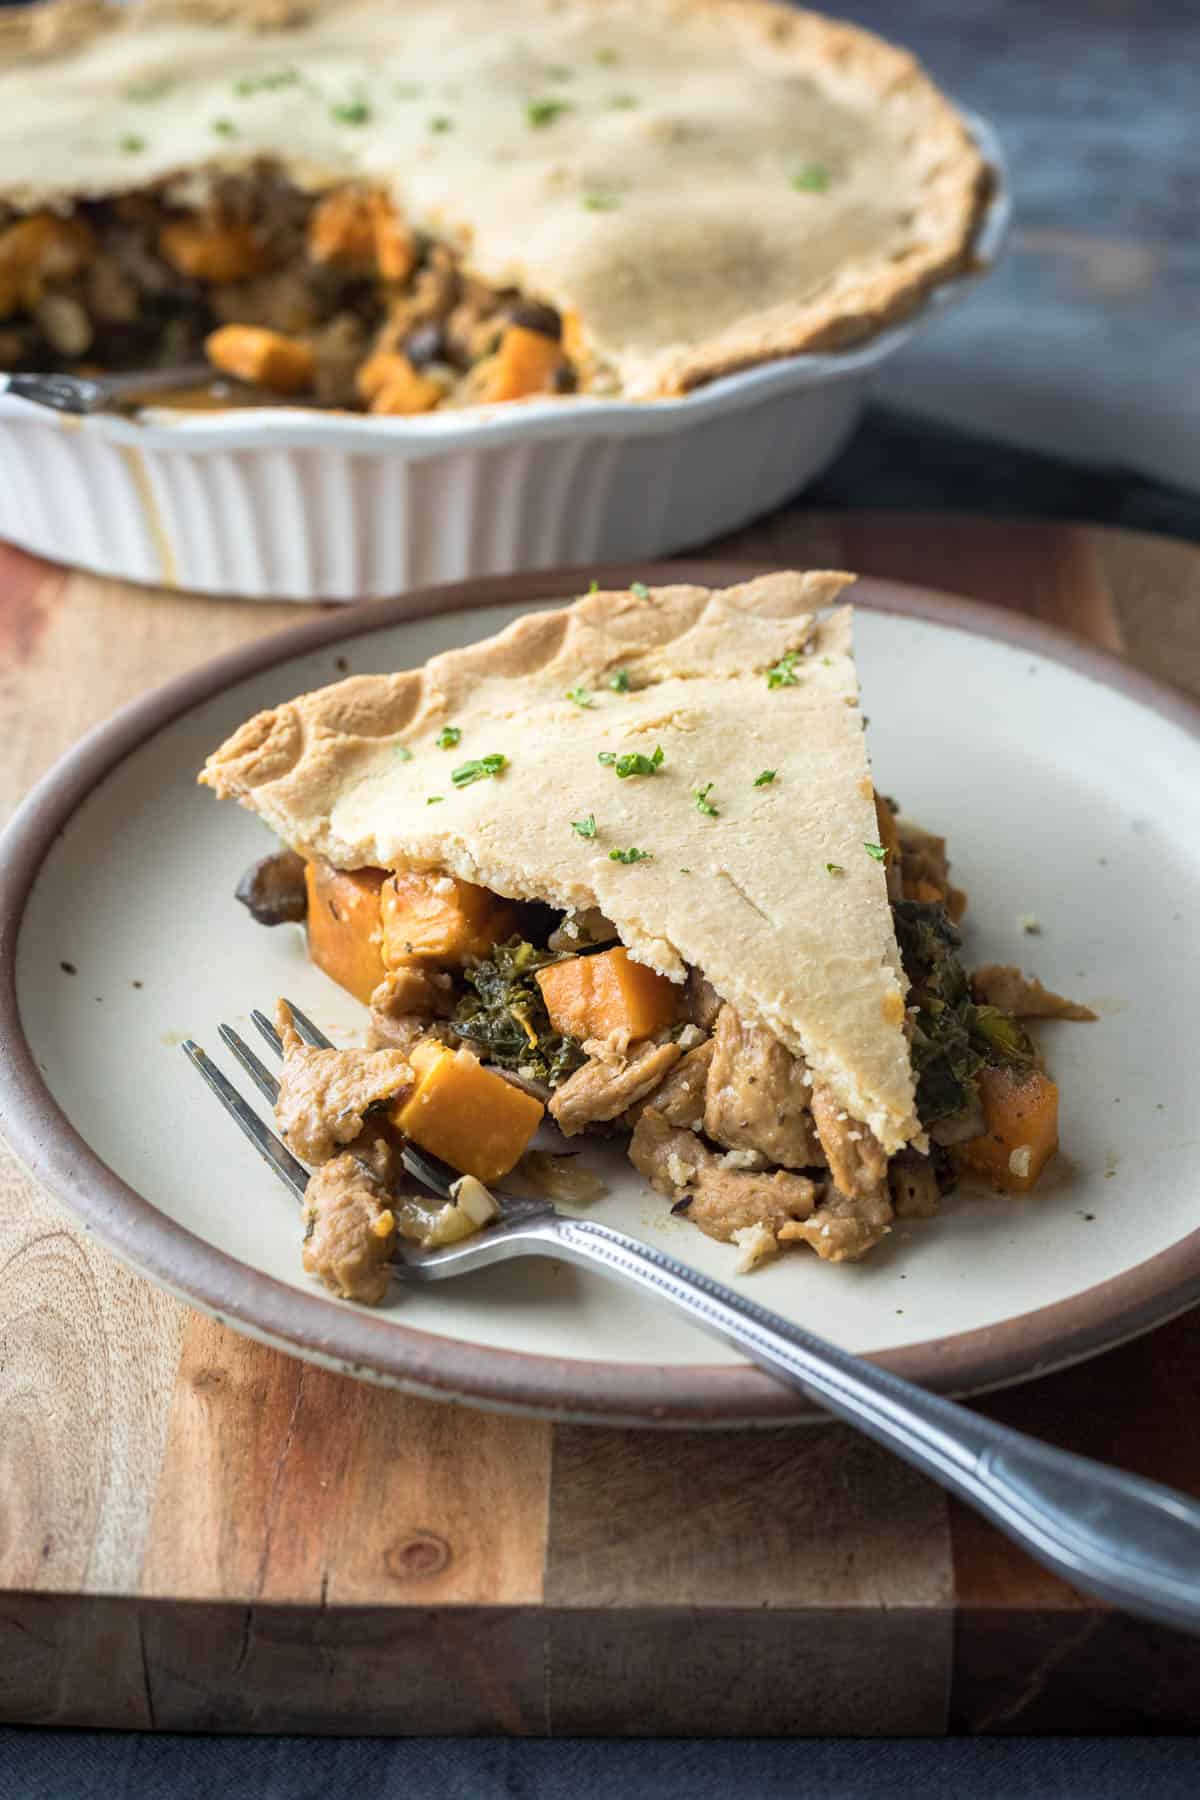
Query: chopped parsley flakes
x=601 y=202
x=131 y=143
x=812 y=179
x=480 y=768
x=147 y=90
x=876 y=852
x=834 y=869
x=766 y=778
x=440 y=122
x=584 y=828
x=629 y=856
x=635 y=762
x=593 y=586
x=606 y=757
x=579 y=696
x=639 y=590
x=704 y=804
x=350 y=112
x=783 y=674
x=434 y=799
x=539 y=113
x=224 y=127
x=619 y=682
x=257 y=84
x=448 y=736
x=402 y=753
x=607 y=58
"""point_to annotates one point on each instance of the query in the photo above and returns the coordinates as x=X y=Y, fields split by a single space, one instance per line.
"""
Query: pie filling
x=326 y=299
x=488 y=1016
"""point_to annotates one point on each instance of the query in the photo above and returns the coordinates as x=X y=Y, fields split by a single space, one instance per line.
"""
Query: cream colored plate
x=1061 y=797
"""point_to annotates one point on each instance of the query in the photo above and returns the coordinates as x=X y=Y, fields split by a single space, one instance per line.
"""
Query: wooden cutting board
x=200 y=1533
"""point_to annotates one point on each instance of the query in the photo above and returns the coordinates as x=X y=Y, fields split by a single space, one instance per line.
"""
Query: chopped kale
x=951 y=1037
x=504 y=1012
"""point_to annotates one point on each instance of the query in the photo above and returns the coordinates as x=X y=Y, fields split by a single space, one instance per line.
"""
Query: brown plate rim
x=376 y=1347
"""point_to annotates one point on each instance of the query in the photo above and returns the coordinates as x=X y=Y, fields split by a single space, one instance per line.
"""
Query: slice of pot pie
x=624 y=865
x=398 y=207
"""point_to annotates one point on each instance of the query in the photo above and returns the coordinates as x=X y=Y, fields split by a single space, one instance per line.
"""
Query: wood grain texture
x=197 y=1532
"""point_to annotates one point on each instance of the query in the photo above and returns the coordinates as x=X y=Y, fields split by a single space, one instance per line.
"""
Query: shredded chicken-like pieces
x=411 y=989
x=325 y=1095
x=350 y=1230
x=680 y=1098
x=601 y=1090
x=857 y=1160
x=844 y=1227
x=1002 y=985
x=759 y=1095
x=723 y=1200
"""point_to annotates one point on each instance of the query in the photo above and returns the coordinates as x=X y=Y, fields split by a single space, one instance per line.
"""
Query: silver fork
x=81 y=394
x=1134 y=1543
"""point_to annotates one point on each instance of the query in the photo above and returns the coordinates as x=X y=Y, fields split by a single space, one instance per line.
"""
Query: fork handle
x=1132 y=1542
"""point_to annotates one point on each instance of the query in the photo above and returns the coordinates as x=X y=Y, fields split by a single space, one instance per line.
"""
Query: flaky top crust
x=773 y=894
x=725 y=181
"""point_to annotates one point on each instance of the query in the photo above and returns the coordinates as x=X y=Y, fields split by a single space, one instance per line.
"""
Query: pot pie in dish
x=623 y=868
x=401 y=205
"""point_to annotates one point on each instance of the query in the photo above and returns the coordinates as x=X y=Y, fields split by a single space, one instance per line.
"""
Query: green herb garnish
x=131 y=143
x=440 y=122
x=140 y=91
x=448 y=736
x=607 y=58
x=704 y=804
x=876 y=852
x=783 y=673
x=619 y=682
x=639 y=590
x=635 y=762
x=434 y=799
x=834 y=869
x=480 y=768
x=606 y=757
x=593 y=586
x=812 y=179
x=224 y=127
x=350 y=112
x=601 y=202
x=584 y=828
x=402 y=753
x=766 y=778
x=629 y=856
x=579 y=696
x=256 y=84
x=539 y=113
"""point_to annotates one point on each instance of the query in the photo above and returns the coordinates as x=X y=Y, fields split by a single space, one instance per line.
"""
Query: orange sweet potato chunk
x=38 y=249
x=1020 y=1109
x=216 y=250
x=440 y=918
x=597 y=996
x=525 y=364
x=345 y=936
x=466 y=1114
x=389 y=384
x=269 y=359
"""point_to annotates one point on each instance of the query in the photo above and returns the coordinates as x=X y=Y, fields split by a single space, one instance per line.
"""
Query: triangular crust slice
x=773 y=895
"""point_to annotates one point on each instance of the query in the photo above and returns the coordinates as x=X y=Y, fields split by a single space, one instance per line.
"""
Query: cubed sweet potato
x=607 y=995
x=38 y=249
x=438 y=918
x=525 y=364
x=395 y=245
x=284 y=365
x=213 y=250
x=341 y=230
x=466 y=1114
x=389 y=384
x=1020 y=1109
x=345 y=935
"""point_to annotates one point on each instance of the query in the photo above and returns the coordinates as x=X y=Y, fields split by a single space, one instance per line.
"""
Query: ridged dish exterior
x=323 y=522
